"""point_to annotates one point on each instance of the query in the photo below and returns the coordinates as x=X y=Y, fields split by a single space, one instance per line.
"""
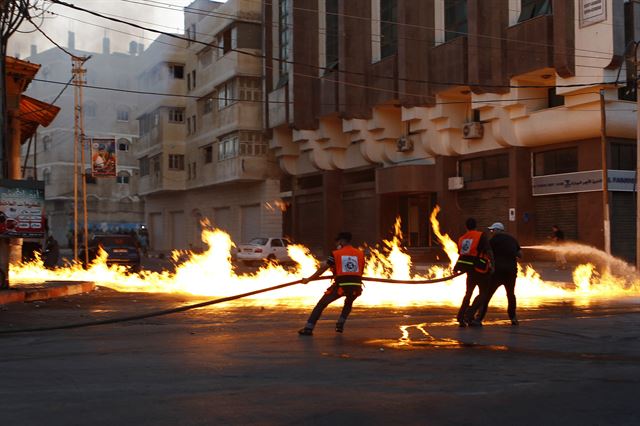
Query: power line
x=142 y=92
x=215 y=13
x=259 y=56
x=186 y=48
x=204 y=12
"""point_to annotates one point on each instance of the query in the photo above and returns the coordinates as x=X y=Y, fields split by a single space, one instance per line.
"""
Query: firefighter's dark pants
x=507 y=278
x=333 y=293
x=474 y=279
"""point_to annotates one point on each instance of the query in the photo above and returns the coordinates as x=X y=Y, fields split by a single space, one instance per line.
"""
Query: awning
x=34 y=113
x=22 y=72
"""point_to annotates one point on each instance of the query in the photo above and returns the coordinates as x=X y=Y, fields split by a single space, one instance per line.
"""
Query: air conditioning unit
x=473 y=130
x=456 y=182
x=404 y=144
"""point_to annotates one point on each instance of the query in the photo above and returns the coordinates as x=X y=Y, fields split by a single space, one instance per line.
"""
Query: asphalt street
x=240 y=364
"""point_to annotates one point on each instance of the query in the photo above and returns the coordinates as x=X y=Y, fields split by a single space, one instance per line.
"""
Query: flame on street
x=213 y=274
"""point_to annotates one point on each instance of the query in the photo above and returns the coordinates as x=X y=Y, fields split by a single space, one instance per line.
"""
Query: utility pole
x=79 y=74
x=635 y=57
x=605 y=174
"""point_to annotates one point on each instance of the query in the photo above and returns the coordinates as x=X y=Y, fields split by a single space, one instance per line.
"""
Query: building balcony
x=530 y=45
x=240 y=115
x=449 y=63
x=172 y=180
x=233 y=170
x=230 y=65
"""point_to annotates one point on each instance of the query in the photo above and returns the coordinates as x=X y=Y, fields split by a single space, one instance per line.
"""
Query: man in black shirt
x=506 y=252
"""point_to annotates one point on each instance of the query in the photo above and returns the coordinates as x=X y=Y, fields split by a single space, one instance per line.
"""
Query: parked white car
x=260 y=249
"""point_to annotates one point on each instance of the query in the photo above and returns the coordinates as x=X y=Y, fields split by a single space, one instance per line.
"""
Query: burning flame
x=212 y=273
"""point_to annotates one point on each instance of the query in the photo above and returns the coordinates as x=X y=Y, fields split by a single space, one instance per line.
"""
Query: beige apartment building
x=204 y=155
x=113 y=203
x=489 y=108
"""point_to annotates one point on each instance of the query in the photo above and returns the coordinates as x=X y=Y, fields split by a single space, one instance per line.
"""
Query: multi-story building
x=488 y=108
x=112 y=202
x=205 y=155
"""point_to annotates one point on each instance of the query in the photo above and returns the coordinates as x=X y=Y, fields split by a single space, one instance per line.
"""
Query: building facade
x=489 y=108
x=112 y=202
x=204 y=155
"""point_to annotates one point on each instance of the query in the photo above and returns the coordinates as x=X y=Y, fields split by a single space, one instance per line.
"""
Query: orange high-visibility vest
x=468 y=243
x=349 y=265
x=469 y=254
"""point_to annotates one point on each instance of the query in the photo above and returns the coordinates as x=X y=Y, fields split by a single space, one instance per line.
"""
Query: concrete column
x=333 y=218
x=520 y=196
x=450 y=217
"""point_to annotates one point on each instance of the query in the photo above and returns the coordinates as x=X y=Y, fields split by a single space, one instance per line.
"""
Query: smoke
x=584 y=253
x=90 y=32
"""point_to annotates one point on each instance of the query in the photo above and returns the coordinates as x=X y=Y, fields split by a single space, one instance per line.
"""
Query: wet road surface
x=235 y=364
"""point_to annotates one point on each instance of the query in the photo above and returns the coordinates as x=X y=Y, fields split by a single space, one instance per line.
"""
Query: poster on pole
x=22 y=208
x=103 y=157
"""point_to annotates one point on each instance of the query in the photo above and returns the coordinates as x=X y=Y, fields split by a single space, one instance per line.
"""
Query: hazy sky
x=89 y=37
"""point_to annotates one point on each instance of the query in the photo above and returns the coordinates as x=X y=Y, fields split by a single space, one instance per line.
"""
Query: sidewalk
x=44 y=291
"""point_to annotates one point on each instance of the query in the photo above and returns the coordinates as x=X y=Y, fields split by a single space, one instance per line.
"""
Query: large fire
x=213 y=274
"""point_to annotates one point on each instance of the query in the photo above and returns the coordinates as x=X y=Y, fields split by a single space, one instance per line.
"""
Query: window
x=156 y=165
x=205 y=57
x=249 y=89
x=227 y=41
x=123 y=114
x=88 y=177
x=176 y=71
x=176 y=115
x=622 y=156
x=188 y=125
x=123 y=145
x=532 y=8
x=123 y=178
x=554 y=99
x=46 y=176
x=193 y=169
x=228 y=148
x=176 y=162
x=207 y=105
x=190 y=32
x=90 y=109
x=455 y=19
x=484 y=168
x=188 y=81
x=226 y=94
x=194 y=127
x=388 y=27
x=144 y=166
x=276 y=242
x=193 y=79
x=252 y=144
x=208 y=154
x=283 y=36
x=555 y=162
x=331 y=48
x=46 y=143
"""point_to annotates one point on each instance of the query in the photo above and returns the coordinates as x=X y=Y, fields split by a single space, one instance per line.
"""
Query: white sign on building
x=568 y=183
x=592 y=12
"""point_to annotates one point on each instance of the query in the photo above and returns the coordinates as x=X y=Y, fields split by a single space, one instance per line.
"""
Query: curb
x=54 y=290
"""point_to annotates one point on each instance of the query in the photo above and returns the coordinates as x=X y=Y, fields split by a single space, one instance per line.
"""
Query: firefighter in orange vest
x=476 y=259
x=347 y=264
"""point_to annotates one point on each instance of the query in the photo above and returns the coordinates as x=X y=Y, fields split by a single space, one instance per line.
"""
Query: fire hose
x=215 y=302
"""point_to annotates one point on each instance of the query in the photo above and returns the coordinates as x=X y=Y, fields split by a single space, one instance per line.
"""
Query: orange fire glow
x=212 y=274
